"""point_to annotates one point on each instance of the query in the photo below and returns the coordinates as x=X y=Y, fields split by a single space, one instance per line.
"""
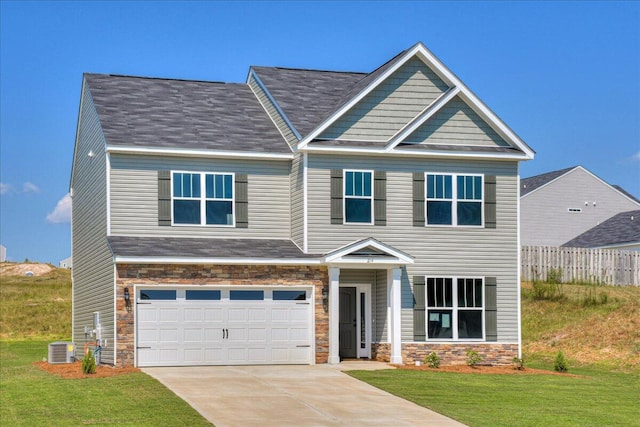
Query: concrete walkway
x=319 y=395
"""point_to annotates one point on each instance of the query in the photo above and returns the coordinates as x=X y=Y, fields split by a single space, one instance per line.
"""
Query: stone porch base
x=450 y=354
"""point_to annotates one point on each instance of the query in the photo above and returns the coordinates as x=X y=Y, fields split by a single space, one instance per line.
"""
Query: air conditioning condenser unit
x=62 y=352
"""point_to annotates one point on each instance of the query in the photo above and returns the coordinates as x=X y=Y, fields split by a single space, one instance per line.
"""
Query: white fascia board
x=597 y=178
x=273 y=101
x=422 y=117
x=180 y=152
x=415 y=153
x=337 y=114
x=220 y=261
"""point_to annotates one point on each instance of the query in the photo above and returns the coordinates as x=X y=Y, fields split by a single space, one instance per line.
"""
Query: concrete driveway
x=319 y=395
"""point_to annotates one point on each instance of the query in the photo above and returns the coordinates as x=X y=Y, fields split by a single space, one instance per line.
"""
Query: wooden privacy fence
x=605 y=266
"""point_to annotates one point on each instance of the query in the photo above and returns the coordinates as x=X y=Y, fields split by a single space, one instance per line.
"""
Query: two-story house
x=301 y=217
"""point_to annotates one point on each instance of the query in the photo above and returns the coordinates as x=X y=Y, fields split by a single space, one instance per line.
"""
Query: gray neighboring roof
x=619 y=229
x=184 y=247
x=626 y=193
x=165 y=113
x=306 y=96
x=527 y=185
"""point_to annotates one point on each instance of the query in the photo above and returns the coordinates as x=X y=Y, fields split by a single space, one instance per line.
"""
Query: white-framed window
x=202 y=198
x=454 y=199
x=358 y=197
x=455 y=308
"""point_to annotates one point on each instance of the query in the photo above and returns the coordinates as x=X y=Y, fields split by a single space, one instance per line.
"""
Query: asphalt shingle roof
x=619 y=229
x=150 y=112
x=307 y=96
x=527 y=185
x=184 y=247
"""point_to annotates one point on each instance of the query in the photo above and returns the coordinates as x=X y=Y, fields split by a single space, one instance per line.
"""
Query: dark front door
x=348 y=322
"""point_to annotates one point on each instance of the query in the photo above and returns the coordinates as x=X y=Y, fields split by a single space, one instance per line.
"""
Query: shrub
x=89 y=363
x=432 y=360
x=560 y=363
x=473 y=358
x=547 y=291
x=518 y=363
x=554 y=275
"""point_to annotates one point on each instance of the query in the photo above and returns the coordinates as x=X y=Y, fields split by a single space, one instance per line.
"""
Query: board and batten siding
x=544 y=213
x=390 y=106
x=297 y=200
x=438 y=251
x=456 y=124
x=134 y=196
x=272 y=111
x=93 y=271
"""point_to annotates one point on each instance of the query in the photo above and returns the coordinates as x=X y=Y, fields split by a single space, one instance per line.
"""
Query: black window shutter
x=490 y=201
x=419 y=311
x=490 y=309
x=418 y=199
x=336 y=196
x=380 y=198
x=242 y=200
x=164 y=198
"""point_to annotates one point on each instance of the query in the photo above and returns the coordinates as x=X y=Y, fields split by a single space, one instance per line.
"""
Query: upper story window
x=358 y=197
x=454 y=308
x=454 y=199
x=202 y=198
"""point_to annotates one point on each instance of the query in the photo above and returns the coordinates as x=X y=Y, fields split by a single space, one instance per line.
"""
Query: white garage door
x=222 y=326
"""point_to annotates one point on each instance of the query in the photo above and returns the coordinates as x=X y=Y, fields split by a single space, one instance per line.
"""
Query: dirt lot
x=21 y=269
x=74 y=370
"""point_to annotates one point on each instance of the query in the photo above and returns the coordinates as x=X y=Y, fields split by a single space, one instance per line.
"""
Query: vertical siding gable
x=456 y=124
x=390 y=106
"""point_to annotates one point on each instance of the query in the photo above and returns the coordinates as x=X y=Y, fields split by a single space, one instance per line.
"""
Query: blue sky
x=564 y=75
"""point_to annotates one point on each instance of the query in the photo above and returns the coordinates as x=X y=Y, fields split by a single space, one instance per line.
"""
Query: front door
x=348 y=323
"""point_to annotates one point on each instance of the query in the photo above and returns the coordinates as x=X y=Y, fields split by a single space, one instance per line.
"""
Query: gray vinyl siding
x=134 y=196
x=93 y=276
x=391 y=105
x=456 y=124
x=273 y=112
x=545 y=220
x=297 y=200
x=380 y=323
x=438 y=251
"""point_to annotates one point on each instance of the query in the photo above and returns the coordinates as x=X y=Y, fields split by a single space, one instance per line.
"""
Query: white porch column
x=393 y=278
x=334 y=315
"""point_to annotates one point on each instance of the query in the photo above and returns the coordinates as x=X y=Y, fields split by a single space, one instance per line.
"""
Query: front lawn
x=31 y=397
x=593 y=398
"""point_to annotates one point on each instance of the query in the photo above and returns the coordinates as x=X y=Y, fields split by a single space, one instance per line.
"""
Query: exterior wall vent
x=62 y=352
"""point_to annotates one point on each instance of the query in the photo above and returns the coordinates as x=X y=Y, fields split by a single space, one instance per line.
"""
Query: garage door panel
x=222 y=331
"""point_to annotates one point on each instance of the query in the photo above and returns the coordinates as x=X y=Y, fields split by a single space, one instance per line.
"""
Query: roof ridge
x=172 y=79
x=316 y=70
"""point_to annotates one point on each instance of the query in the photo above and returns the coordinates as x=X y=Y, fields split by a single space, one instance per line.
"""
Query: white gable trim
x=181 y=152
x=450 y=79
x=422 y=117
x=340 y=255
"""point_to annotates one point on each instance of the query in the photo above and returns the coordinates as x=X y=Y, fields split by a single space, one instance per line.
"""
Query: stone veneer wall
x=450 y=353
x=128 y=275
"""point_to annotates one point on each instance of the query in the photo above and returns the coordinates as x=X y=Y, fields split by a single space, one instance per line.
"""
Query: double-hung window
x=455 y=308
x=358 y=197
x=454 y=199
x=202 y=198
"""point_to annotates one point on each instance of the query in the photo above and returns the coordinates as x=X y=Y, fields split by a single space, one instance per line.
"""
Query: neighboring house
x=66 y=263
x=622 y=231
x=3 y=253
x=303 y=217
x=558 y=206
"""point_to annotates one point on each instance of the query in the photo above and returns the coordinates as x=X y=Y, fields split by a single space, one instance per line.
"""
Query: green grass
x=595 y=398
x=31 y=397
x=36 y=307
